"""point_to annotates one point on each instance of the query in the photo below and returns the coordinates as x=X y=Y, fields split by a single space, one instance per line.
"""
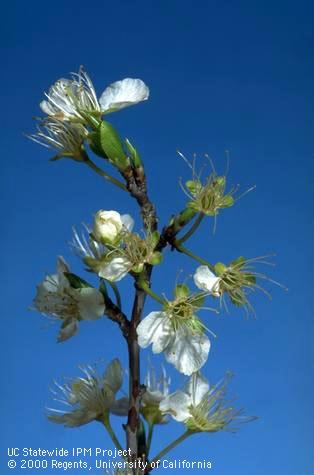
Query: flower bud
x=107 y=226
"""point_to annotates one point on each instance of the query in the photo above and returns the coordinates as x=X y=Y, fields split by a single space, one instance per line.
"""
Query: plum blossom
x=91 y=397
x=56 y=298
x=75 y=99
x=178 y=332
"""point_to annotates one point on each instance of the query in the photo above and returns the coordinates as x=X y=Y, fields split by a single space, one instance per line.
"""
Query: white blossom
x=185 y=346
x=206 y=280
x=90 y=397
x=85 y=246
x=132 y=254
x=75 y=99
x=55 y=297
x=110 y=225
x=71 y=99
x=111 y=264
x=115 y=269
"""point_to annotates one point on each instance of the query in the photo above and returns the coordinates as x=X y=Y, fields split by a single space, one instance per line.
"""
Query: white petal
x=75 y=418
x=114 y=375
x=206 y=280
x=197 y=387
x=68 y=329
x=62 y=267
x=47 y=108
x=177 y=404
x=155 y=329
x=90 y=302
x=107 y=225
x=122 y=94
x=128 y=222
x=115 y=270
x=188 y=352
x=49 y=285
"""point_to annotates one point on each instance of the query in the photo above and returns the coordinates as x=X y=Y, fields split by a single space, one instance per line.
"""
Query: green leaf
x=94 y=143
x=134 y=155
x=112 y=146
x=75 y=281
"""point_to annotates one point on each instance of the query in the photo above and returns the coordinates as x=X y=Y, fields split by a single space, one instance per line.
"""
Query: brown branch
x=177 y=223
x=116 y=315
x=137 y=186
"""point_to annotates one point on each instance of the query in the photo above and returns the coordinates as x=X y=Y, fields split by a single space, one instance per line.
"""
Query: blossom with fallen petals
x=211 y=196
x=202 y=408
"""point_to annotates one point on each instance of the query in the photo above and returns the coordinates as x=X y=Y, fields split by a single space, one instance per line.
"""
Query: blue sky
x=226 y=75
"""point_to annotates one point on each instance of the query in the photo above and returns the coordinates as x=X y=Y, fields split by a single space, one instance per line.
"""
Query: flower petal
x=122 y=94
x=75 y=418
x=90 y=302
x=197 y=387
x=128 y=222
x=206 y=280
x=68 y=329
x=155 y=329
x=114 y=375
x=177 y=404
x=115 y=270
x=188 y=352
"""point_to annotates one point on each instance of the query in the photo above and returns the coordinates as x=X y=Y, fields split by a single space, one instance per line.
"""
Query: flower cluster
x=73 y=112
x=112 y=250
x=209 y=197
x=75 y=124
